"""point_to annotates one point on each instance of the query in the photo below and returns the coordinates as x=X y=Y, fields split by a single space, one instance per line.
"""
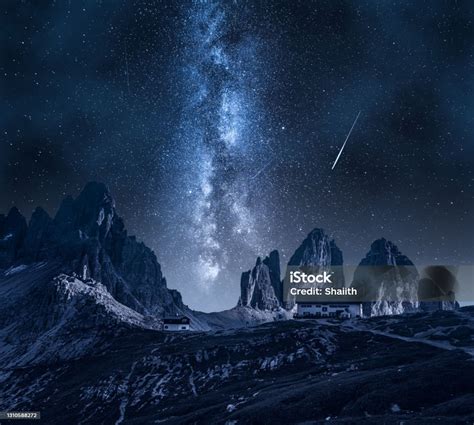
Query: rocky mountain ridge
x=46 y=317
x=88 y=237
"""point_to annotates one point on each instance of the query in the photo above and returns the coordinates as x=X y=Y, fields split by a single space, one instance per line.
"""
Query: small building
x=176 y=323
x=317 y=310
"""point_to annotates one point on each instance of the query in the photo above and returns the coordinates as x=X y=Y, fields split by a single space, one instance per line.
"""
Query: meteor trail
x=345 y=141
x=262 y=169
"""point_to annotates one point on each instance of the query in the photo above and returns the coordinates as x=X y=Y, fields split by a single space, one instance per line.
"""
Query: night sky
x=215 y=125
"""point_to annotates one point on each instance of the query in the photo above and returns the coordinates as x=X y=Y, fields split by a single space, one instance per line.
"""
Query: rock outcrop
x=12 y=233
x=388 y=279
x=318 y=249
x=273 y=263
x=385 y=253
x=261 y=287
x=35 y=244
x=318 y=252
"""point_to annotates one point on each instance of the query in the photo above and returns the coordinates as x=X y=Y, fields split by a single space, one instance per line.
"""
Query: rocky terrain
x=386 y=370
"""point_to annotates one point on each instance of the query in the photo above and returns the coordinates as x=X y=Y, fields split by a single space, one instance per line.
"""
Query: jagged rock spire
x=12 y=232
x=261 y=286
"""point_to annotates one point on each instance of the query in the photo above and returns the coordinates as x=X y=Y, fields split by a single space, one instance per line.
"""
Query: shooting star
x=345 y=141
x=261 y=169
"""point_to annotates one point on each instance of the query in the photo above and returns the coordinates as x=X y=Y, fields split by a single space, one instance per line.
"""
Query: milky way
x=219 y=141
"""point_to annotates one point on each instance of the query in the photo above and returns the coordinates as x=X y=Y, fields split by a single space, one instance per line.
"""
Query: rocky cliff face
x=12 y=233
x=273 y=263
x=261 y=287
x=388 y=278
x=88 y=238
x=385 y=253
x=319 y=251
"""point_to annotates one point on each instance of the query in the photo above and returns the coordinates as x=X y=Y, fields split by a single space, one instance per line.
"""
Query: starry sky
x=216 y=124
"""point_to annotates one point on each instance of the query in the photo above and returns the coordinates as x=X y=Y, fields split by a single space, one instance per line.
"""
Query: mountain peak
x=317 y=231
x=384 y=269
x=88 y=238
x=91 y=212
x=14 y=214
x=384 y=252
x=318 y=249
x=40 y=212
